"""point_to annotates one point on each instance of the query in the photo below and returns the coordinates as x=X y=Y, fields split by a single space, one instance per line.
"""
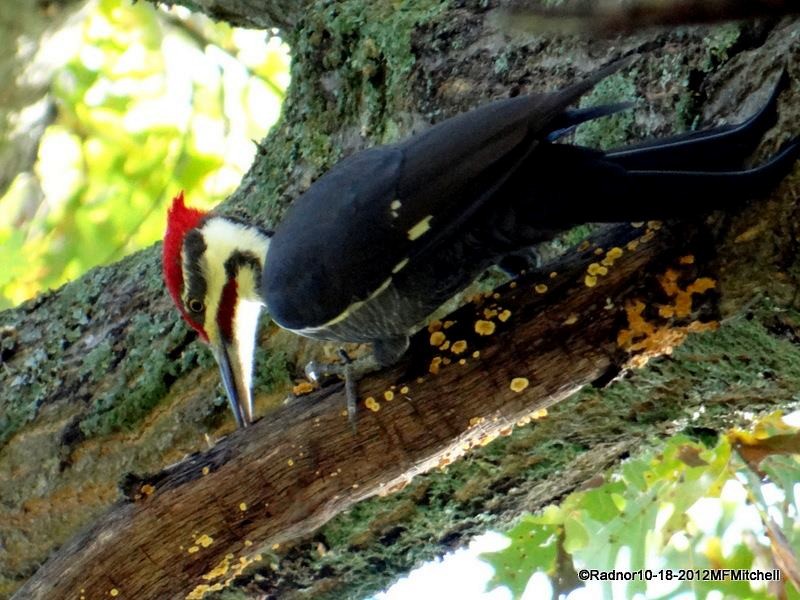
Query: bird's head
x=212 y=268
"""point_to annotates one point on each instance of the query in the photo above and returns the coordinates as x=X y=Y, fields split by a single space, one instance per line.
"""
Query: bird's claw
x=345 y=369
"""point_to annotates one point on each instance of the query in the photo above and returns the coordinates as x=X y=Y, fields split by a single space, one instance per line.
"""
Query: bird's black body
x=391 y=233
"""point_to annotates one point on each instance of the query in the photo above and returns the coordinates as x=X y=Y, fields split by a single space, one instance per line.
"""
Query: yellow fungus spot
x=420 y=379
x=539 y=413
x=654 y=225
x=637 y=224
x=462 y=361
x=113 y=592
x=446 y=361
x=687 y=260
x=459 y=347
x=518 y=384
x=206 y=471
x=504 y=316
x=448 y=324
x=647 y=237
x=632 y=245
x=484 y=327
x=584 y=245
x=420 y=228
x=434 y=326
x=596 y=269
x=304 y=387
x=290 y=462
x=666 y=312
x=248 y=543
x=389 y=395
x=275 y=546
x=507 y=430
x=476 y=354
x=496 y=296
x=598 y=251
x=435 y=364
x=611 y=256
x=205 y=540
x=404 y=389
x=553 y=274
x=372 y=404
x=193 y=549
x=571 y=319
x=445 y=346
x=219 y=570
x=475 y=421
x=395 y=204
x=343 y=413
x=488 y=439
x=540 y=288
x=243 y=506
x=148 y=489
x=512 y=285
x=590 y=280
x=437 y=337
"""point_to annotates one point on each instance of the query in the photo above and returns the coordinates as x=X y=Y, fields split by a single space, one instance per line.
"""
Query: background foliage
x=148 y=103
x=730 y=505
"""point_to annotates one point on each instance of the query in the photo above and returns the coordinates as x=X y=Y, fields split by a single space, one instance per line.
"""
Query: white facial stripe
x=223 y=238
x=245 y=328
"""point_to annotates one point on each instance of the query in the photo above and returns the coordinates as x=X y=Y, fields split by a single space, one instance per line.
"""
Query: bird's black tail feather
x=618 y=194
x=720 y=148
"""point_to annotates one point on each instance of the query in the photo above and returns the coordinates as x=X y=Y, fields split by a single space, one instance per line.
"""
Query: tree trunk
x=101 y=379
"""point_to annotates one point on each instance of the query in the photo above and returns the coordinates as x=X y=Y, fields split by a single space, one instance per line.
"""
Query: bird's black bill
x=229 y=381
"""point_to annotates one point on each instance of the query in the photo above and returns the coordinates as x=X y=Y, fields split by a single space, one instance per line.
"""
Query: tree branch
x=610 y=17
x=253 y=14
x=287 y=475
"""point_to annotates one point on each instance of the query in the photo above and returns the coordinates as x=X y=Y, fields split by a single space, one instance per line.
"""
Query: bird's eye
x=195 y=305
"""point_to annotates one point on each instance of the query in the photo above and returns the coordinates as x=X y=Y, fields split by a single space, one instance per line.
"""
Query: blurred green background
x=150 y=102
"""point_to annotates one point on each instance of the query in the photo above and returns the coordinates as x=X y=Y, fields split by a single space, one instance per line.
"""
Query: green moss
x=271 y=371
x=614 y=130
x=719 y=41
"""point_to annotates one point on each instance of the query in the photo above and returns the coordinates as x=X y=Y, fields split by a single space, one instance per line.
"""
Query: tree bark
x=101 y=379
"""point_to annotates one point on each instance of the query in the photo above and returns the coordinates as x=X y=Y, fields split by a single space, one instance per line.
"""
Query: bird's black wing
x=360 y=223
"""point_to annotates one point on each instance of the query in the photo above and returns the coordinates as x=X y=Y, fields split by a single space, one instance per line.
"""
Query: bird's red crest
x=180 y=220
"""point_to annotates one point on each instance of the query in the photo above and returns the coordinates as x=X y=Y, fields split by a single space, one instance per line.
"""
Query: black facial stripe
x=194 y=283
x=239 y=259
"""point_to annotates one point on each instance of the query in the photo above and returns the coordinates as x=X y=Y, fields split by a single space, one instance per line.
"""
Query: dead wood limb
x=196 y=525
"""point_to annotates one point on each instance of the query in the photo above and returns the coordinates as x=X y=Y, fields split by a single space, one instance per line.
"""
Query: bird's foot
x=348 y=369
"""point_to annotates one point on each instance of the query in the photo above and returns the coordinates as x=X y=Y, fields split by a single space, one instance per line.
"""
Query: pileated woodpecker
x=391 y=233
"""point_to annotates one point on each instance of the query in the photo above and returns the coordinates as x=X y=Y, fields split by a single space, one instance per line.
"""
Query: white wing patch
x=420 y=228
x=399 y=266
